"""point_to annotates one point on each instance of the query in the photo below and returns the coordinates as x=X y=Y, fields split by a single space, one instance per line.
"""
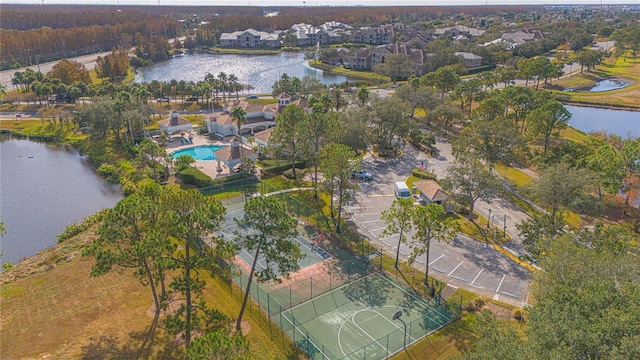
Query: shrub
x=109 y=172
x=289 y=174
x=276 y=170
x=195 y=177
x=423 y=174
x=76 y=228
x=128 y=186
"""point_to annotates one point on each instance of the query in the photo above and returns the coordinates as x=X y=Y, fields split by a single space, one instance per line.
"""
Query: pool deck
x=206 y=166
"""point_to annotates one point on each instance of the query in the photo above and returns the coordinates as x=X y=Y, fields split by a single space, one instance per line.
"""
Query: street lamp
x=29 y=55
x=488 y=218
x=397 y=316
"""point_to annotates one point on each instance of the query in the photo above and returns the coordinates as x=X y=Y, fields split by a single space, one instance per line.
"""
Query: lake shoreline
x=597 y=105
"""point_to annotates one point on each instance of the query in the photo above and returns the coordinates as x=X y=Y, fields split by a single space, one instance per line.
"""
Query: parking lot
x=465 y=263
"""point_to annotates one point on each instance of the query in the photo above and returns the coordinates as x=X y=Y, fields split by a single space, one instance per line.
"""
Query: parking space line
x=363 y=214
x=476 y=278
x=434 y=261
x=498 y=289
x=455 y=268
x=382 y=228
x=368 y=221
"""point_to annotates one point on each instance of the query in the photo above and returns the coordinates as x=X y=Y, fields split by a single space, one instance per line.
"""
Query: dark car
x=252 y=97
x=192 y=99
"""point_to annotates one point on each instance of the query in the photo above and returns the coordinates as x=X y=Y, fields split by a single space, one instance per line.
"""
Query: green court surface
x=355 y=321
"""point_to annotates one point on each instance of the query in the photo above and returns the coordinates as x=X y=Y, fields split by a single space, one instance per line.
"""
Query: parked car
x=361 y=175
x=192 y=99
x=164 y=99
x=252 y=97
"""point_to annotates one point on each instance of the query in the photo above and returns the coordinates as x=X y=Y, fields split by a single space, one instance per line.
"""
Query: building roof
x=174 y=123
x=231 y=154
x=264 y=135
x=431 y=190
x=468 y=56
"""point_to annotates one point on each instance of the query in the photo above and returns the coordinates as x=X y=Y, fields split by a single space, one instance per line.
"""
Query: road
x=89 y=61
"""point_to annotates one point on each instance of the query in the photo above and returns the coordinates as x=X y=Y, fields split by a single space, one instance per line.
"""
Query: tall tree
x=336 y=161
x=430 y=224
x=315 y=134
x=493 y=141
x=444 y=79
x=399 y=219
x=240 y=115
x=133 y=236
x=288 y=134
x=274 y=228
x=395 y=66
x=469 y=181
x=191 y=218
x=561 y=185
x=390 y=121
x=69 y=71
x=548 y=120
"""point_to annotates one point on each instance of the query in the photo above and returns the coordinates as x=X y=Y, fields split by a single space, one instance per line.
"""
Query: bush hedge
x=277 y=170
x=423 y=174
x=195 y=177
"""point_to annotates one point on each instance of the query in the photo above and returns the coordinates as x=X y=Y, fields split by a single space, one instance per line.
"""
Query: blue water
x=203 y=152
x=44 y=188
x=258 y=71
x=619 y=122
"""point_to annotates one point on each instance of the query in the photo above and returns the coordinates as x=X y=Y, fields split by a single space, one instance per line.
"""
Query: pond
x=623 y=123
x=259 y=71
x=607 y=85
x=45 y=188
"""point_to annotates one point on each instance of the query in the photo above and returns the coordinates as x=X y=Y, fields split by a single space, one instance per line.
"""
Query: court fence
x=275 y=298
x=434 y=317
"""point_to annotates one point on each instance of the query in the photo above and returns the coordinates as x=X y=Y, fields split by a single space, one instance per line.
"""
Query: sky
x=310 y=3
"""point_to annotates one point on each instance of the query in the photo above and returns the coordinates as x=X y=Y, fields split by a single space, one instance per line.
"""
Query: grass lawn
x=365 y=75
x=63 y=313
x=514 y=175
x=575 y=135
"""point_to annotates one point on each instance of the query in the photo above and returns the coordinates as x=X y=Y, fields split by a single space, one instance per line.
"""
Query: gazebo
x=174 y=124
x=231 y=155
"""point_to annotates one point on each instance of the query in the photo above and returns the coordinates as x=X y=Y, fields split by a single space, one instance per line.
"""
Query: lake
x=45 y=188
x=623 y=123
x=259 y=71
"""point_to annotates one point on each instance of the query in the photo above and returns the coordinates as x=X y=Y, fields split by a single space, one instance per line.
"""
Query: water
x=259 y=71
x=623 y=123
x=43 y=189
x=608 y=85
x=204 y=152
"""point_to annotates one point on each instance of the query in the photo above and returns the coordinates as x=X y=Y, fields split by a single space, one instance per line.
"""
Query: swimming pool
x=203 y=152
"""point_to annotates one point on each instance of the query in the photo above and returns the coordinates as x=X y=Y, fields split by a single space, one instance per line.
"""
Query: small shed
x=174 y=123
x=431 y=192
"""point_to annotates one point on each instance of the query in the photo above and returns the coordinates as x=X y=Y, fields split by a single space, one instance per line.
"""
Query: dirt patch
x=498 y=311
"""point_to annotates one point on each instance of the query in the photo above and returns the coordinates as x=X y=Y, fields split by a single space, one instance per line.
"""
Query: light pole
x=488 y=218
x=29 y=56
x=397 y=316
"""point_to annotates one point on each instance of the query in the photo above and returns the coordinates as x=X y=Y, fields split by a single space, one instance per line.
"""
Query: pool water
x=203 y=152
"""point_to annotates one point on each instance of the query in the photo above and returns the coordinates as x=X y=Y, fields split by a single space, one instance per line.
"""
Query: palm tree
x=222 y=77
x=363 y=94
x=240 y=115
